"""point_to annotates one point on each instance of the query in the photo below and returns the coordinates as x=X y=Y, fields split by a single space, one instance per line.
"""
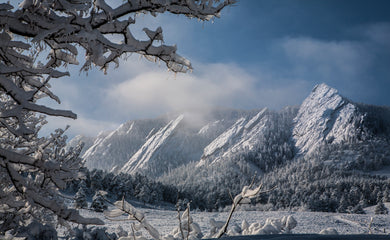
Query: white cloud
x=159 y=91
x=81 y=125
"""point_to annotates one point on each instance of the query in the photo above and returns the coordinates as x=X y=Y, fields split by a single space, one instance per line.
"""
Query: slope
x=113 y=149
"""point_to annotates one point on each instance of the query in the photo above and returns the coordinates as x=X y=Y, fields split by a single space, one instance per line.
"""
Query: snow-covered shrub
x=92 y=233
x=187 y=227
x=33 y=230
x=215 y=226
x=98 y=203
x=271 y=226
x=121 y=232
x=329 y=231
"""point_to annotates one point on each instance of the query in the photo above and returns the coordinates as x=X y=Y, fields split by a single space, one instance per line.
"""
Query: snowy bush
x=33 y=230
x=271 y=226
x=93 y=233
x=329 y=231
x=187 y=229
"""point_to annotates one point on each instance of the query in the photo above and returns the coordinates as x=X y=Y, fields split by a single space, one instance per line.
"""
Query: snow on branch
x=246 y=194
x=123 y=207
x=38 y=39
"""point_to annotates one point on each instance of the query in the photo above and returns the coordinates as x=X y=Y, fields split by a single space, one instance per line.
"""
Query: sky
x=260 y=53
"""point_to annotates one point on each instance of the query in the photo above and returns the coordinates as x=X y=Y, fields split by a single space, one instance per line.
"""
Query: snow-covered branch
x=123 y=207
x=244 y=197
x=37 y=40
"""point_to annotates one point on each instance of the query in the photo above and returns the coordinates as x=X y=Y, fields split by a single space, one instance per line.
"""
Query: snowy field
x=308 y=222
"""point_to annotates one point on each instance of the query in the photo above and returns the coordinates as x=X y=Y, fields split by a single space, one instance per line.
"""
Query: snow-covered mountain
x=113 y=149
x=326 y=125
x=157 y=145
x=326 y=116
x=244 y=135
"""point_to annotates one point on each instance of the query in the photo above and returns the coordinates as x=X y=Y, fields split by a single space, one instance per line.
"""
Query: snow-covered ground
x=308 y=222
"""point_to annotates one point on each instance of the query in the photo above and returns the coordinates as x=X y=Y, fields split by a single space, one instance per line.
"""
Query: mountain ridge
x=258 y=139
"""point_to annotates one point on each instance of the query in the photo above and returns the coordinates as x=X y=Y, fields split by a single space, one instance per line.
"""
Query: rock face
x=148 y=158
x=258 y=139
x=153 y=146
x=325 y=116
x=113 y=149
x=178 y=143
x=243 y=135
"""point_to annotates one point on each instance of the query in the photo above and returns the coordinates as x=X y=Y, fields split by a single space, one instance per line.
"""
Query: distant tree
x=145 y=194
x=358 y=209
x=98 y=203
x=80 y=199
x=96 y=179
x=380 y=208
x=343 y=205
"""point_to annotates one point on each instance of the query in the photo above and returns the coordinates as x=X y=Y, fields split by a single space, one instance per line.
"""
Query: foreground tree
x=34 y=168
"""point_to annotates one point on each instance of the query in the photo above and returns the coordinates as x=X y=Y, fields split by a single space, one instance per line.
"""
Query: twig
x=369 y=226
x=253 y=180
x=188 y=220
x=132 y=230
x=231 y=196
x=180 y=226
x=237 y=200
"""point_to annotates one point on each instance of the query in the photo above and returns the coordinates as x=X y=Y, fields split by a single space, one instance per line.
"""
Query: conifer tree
x=98 y=203
x=81 y=199
x=381 y=208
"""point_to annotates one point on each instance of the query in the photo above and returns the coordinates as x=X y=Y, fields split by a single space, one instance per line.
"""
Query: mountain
x=193 y=145
x=323 y=155
x=326 y=117
x=88 y=142
x=252 y=137
x=334 y=129
x=113 y=149
x=142 y=145
x=179 y=142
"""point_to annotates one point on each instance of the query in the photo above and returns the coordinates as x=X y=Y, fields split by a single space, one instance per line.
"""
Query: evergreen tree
x=98 y=203
x=145 y=194
x=381 y=208
x=358 y=209
x=81 y=199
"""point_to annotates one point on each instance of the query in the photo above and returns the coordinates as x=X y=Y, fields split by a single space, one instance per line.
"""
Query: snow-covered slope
x=112 y=149
x=341 y=131
x=179 y=142
x=142 y=159
x=326 y=117
x=154 y=146
x=88 y=142
x=244 y=135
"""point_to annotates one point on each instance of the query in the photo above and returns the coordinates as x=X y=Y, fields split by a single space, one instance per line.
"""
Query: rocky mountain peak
x=325 y=117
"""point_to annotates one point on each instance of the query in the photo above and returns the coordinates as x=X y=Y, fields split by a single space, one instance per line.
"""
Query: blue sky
x=260 y=53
